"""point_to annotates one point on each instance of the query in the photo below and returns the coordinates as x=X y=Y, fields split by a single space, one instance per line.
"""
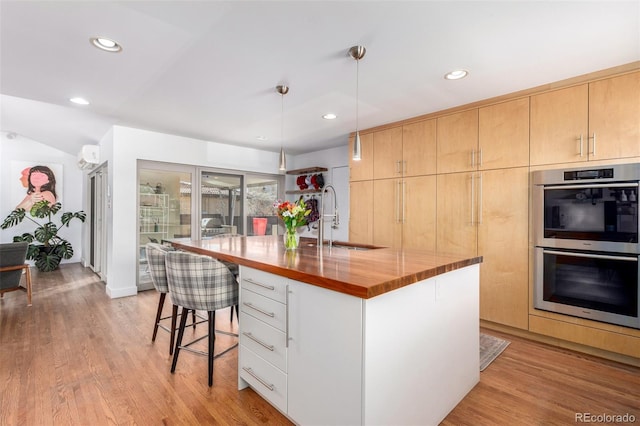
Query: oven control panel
x=588 y=174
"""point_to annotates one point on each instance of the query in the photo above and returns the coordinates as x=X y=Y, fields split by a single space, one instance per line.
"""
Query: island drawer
x=264 y=309
x=264 y=283
x=266 y=341
x=264 y=378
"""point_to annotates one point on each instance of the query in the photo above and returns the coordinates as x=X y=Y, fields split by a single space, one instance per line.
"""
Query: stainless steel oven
x=586 y=235
x=598 y=286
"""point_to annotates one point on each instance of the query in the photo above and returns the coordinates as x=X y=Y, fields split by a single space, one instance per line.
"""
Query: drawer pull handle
x=255 y=376
x=258 y=341
x=269 y=314
x=268 y=287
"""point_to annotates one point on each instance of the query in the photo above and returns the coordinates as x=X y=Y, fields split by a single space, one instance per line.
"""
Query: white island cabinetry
x=320 y=356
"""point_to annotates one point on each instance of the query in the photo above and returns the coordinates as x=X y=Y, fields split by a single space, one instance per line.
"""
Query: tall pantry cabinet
x=482 y=202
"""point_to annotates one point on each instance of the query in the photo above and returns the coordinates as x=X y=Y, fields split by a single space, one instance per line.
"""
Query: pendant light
x=283 y=90
x=357 y=53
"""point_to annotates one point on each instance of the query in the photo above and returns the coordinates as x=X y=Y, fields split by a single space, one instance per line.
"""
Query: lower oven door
x=598 y=286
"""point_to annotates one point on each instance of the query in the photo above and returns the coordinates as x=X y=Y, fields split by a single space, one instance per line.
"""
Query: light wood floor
x=77 y=357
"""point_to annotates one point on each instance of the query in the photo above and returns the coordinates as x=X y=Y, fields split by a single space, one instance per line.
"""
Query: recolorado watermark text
x=605 y=418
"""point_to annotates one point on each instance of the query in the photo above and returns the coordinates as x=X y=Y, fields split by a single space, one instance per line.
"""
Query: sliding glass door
x=164 y=209
x=221 y=205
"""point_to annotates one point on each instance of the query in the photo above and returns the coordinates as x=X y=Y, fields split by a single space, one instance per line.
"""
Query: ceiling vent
x=89 y=157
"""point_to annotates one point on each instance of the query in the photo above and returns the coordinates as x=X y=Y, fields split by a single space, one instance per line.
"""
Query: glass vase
x=291 y=239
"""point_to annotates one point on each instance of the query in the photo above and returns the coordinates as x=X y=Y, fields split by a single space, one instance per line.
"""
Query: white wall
x=337 y=161
x=24 y=149
x=121 y=149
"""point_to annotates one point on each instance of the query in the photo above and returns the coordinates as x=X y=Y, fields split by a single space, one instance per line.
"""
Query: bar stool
x=156 y=261
x=201 y=283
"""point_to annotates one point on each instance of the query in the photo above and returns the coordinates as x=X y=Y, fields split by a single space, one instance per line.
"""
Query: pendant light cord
x=357 y=90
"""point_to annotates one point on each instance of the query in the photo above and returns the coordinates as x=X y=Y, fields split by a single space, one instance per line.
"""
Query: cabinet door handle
x=480 y=157
x=398 y=167
x=249 y=305
x=404 y=167
x=268 y=287
x=593 y=150
x=286 y=322
x=258 y=378
x=473 y=158
x=580 y=139
x=480 y=198
x=473 y=184
x=398 y=201
x=404 y=190
x=258 y=341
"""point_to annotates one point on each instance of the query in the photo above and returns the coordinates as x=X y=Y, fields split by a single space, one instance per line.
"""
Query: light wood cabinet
x=387 y=153
x=594 y=121
x=456 y=214
x=419 y=148
x=419 y=224
x=503 y=135
x=457 y=142
x=559 y=126
x=361 y=208
x=387 y=212
x=503 y=245
x=614 y=117
x=363 y=168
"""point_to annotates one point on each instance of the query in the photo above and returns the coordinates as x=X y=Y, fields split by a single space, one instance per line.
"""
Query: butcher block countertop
x=358 y=270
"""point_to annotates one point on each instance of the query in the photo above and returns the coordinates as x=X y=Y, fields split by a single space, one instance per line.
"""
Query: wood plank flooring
x=77 y=357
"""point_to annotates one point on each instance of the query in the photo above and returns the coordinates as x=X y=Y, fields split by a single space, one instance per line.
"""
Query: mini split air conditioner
x=89 y=157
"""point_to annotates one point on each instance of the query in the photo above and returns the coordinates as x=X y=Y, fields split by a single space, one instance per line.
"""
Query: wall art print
x=32 y=182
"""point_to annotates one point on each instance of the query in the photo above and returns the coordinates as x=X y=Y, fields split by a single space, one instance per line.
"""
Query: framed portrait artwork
x=35 y=182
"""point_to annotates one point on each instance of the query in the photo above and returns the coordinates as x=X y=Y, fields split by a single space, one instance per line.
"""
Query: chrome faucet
x=335 y=219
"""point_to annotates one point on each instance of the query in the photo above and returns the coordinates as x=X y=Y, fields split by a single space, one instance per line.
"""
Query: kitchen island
x=353 y=336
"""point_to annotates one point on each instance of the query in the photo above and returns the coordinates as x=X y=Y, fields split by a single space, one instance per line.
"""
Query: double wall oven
x=586 y=243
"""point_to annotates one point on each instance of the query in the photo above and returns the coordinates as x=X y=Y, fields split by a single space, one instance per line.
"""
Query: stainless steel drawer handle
x=268 y=287
x=255 y=376
x=258 y=341
x=249 y=305
x=591 y=256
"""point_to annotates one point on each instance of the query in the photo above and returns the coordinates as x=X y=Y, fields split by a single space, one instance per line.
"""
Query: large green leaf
x=47 y=262
x=14 y=218
x=46 y=232
x=64 y=249
x=67 y=216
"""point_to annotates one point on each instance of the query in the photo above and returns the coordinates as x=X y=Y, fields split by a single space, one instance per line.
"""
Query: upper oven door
x=587 y=216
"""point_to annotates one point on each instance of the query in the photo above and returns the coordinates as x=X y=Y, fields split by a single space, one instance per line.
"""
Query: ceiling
x=208 y=69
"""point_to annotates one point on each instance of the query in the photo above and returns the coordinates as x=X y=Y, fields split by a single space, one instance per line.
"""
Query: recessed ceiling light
x=105 y=44
x=79 y=101
x=262 y=138
x=329 y=116
x=456 y=74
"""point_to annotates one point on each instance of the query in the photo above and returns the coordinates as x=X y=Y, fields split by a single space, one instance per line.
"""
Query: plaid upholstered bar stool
x=156 y=260
x=201 y=283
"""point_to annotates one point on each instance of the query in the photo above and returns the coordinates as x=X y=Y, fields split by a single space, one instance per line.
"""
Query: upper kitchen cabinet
x=387 y=153
x=559 y=126
x=457 y=142
x=503 y=135
x=594 y=121
x=419 y=148
x=614 y=117
x=363 y=168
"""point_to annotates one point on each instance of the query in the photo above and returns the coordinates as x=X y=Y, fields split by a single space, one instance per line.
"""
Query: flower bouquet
x=293 y=215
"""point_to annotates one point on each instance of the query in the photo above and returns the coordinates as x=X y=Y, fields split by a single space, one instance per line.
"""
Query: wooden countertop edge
x=357 y=290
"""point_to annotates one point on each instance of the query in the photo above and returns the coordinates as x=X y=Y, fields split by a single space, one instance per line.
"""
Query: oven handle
x=595 y=185
x=593 y=256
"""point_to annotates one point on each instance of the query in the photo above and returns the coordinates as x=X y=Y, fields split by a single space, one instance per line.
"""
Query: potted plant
x=46 y=247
